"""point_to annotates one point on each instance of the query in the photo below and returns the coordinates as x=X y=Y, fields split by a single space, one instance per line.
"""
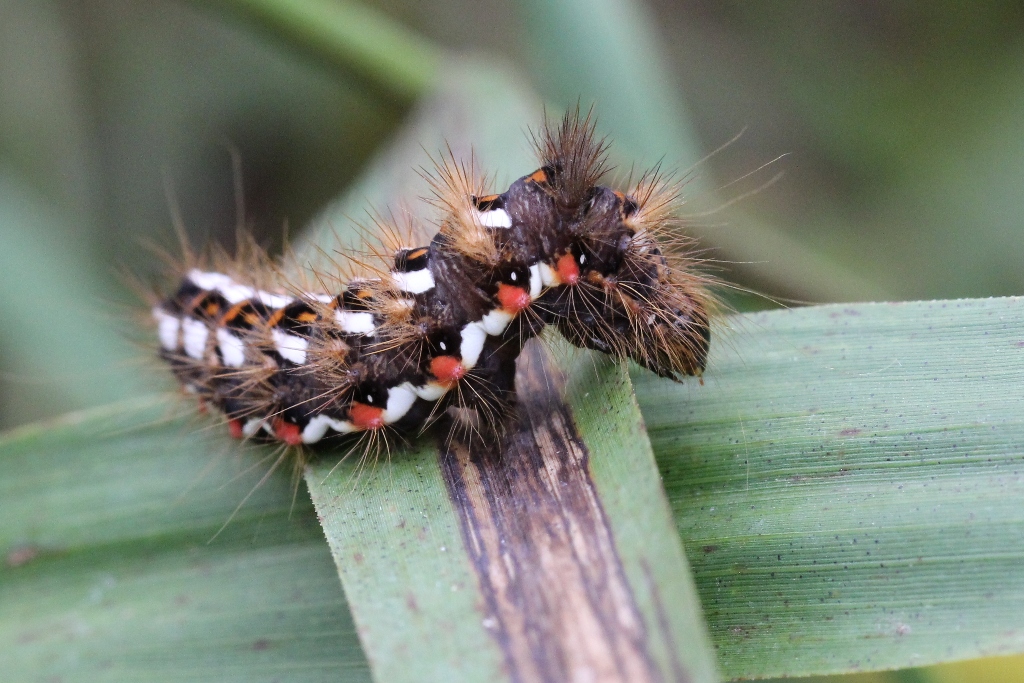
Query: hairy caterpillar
x=437 y=331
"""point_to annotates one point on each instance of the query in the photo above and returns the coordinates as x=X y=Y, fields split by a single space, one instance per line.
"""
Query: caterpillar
x=434 y=332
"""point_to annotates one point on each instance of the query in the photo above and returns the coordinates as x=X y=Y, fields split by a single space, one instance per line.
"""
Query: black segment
x=356 y=299
x=629 y=206
x=251 y=310
x=445 y=342
x=182 y=298
x=410 y=260
x=210 y=307
x=299 y=318
x=371 y=394
x=489 y=203
x=514 y=274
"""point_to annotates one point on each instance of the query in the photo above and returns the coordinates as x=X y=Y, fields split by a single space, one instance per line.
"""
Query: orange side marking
x=287 y=432
x=276 y=318
x=233 y=313
x=568 y=270
x=365 y=417
x=447 y=369
x=235 y=428
x=538 y=176
x=513 y=299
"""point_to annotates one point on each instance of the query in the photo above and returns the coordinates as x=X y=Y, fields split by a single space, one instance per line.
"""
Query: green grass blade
x=108 y=572
x=555 y=561
x=815 y=428
x=848 y=485
x=362 y=41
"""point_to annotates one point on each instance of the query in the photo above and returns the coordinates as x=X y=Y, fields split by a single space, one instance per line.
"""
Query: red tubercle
x=288 y=432
x=365 y=417
x=235 y=429
x=513 y=299
x=447 y=369
x=568 y=270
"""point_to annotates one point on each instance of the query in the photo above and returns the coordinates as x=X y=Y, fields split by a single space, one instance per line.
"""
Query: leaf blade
x=109 y=572
x=546 y=557
x=845 y=484
x=735 y=586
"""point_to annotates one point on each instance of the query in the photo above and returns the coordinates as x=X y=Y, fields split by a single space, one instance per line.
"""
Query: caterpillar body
x=436 y=333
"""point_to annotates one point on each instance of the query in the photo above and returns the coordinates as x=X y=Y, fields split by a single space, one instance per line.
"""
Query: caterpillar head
x=611 y=287
x=619 y=292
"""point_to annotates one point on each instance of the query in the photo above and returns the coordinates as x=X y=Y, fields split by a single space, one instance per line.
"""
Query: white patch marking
x=167 y=328
x=415 y=282
x=400 y=400
x=317 y=427
x=322 y=298
x=343 y=427
x=548 y=276
x=208 y=281
x=218 y=282
x=195 y=333
x=274 y=301
x=495 y=218
x=236 y=293
x=251 y=427
x=355 y=322
x=290 y=347
x=431 y=391
x=536 y=281
x=473 y=337
x=231 y=348
x=496 y=321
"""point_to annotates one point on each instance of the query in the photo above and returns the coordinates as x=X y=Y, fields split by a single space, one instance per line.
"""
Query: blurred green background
x=900 y=122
